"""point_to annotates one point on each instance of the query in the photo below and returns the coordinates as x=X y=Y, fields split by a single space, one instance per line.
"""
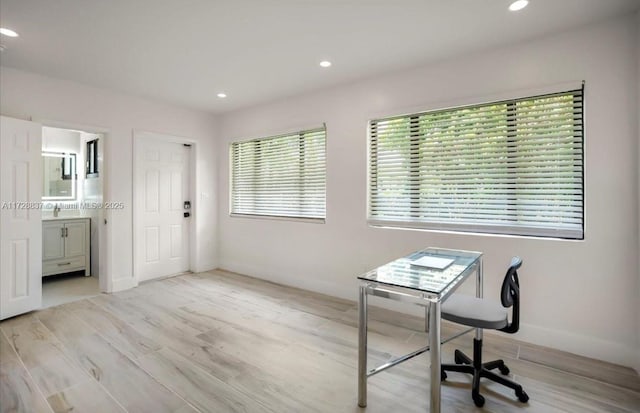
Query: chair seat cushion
x=474 y=312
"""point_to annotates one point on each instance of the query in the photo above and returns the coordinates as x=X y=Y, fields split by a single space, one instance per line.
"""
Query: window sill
x=471 y=232
x=280 y=218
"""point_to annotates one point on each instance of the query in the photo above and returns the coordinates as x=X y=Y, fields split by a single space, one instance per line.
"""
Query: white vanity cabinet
x=66 y=246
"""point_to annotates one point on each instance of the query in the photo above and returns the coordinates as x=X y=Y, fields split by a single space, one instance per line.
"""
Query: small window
x=92 y=159
x=510 y=167
x=68 y=166
x=280 y=176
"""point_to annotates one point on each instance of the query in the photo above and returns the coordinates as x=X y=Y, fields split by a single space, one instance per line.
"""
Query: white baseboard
x=204 y=268
x=587 y=346
x=125 y=283
x=122 y=284
x=305 y=283
x=583 y=345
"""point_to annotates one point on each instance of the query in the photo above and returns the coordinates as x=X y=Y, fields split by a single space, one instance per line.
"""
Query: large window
x=280 y=176
x=509 y=167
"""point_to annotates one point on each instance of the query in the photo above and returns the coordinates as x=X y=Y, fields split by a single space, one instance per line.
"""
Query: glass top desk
x=401 y=280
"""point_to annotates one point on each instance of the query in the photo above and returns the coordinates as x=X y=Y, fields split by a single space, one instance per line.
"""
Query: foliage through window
x=280 y=176
x=509 y=167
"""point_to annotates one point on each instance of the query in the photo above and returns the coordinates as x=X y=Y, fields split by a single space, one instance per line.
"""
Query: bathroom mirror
x=60 y=176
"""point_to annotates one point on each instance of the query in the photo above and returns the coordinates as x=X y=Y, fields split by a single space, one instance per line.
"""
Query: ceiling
x=186 y=51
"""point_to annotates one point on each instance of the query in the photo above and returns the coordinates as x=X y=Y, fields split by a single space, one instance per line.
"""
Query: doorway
x=72 y=215
x=163 y=207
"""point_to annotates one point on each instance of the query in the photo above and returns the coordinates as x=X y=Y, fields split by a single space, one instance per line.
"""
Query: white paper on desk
x=433 y=262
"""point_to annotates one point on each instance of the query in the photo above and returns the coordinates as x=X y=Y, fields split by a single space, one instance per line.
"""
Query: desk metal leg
x=434 y=343
x=362 y=347
x=426 y=318
x=479 y=292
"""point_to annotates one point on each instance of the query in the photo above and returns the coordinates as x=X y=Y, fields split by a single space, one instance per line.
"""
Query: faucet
x=56 y=210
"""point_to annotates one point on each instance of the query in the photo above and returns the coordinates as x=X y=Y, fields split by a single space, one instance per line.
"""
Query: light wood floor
x=63 y=288
x=220 y=342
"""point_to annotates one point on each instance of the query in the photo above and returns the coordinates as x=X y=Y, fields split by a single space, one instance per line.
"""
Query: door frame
x=105 y=276
x=138 y=136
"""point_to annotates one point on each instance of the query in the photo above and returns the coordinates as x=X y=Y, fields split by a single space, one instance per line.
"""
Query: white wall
x=637 y=366
x=60 y=140
x=26 y=95
x=580 y=296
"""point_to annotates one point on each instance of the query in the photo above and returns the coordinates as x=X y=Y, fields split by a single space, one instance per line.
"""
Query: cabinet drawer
x=63 y=265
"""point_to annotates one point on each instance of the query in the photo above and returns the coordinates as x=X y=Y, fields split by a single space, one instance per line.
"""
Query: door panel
x=176 y=195
x=176 y=241
x=151 y=190
x=152 y=245
x=162 y=186
x=20 y=187
x=20 y=217
x=19 y=265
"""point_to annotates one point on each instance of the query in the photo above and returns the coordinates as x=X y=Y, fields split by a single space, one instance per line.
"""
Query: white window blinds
x=510 y=167
x=280 y=176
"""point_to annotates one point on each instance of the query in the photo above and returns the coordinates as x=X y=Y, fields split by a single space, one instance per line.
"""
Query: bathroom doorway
x=73 y=214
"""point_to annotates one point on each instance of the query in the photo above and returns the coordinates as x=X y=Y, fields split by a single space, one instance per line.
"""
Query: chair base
x=478 y=370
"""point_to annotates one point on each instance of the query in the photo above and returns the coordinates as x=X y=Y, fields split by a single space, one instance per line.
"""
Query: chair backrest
x=510 y=295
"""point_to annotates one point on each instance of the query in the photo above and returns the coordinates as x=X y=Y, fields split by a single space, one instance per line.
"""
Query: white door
x=52 y=240
x=20 y=217
x=162 y=187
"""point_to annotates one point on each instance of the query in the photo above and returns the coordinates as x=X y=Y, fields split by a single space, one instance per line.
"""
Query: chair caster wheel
x=522 y=396
x=457 y=357
x=478 y=400
x=443 y=376
x=504 y=370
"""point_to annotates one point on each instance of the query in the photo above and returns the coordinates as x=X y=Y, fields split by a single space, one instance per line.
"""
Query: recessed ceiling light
x=222 y=95
x=518 y=5
x=325 y=63
x=8 y=32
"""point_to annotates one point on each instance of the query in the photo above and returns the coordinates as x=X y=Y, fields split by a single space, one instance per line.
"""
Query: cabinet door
x=74 y=241
x=52 y=240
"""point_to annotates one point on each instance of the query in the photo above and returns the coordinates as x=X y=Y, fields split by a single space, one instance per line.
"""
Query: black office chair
x=481 y=313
